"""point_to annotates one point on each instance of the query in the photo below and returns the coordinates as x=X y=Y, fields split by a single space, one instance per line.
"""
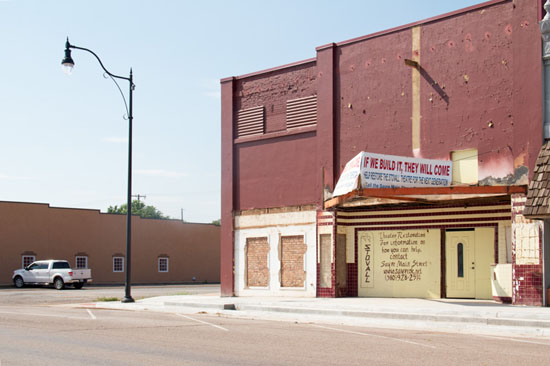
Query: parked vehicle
x=52 y=271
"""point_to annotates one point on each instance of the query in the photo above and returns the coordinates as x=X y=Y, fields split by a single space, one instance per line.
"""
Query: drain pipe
x=545 y=30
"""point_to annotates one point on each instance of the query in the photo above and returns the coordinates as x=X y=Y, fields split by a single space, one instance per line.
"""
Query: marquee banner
x=389 y=171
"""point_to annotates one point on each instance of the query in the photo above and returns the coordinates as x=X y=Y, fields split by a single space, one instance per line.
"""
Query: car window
x=43 y=266
x=61 y=265
x=33 y=266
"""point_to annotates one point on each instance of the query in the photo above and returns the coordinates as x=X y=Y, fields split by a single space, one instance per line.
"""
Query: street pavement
x=54 y=335
x=40 y=295
x=441 y=315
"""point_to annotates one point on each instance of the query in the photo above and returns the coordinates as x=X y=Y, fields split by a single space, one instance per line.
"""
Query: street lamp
x=68 y=64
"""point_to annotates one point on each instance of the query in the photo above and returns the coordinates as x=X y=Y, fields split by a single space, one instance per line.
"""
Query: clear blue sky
x=63 y=140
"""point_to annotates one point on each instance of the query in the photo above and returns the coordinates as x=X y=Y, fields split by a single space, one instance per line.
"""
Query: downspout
x=545 y=32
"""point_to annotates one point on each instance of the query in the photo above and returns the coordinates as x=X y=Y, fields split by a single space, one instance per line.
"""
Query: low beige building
x=163 y=251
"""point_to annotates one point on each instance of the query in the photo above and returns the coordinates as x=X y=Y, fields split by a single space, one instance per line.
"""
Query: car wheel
x=78 y=285
x=58 y=283
x=18 y=282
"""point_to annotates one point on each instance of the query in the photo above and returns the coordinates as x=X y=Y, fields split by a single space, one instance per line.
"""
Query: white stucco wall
x=274 y=226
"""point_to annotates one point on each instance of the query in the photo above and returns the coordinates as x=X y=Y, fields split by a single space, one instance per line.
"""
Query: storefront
x=427 y=241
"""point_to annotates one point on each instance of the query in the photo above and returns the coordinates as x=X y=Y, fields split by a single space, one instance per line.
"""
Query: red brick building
x=463 y=87
x=163 y=251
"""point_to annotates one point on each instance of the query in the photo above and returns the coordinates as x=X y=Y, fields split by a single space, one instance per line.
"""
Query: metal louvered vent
x=301 y=112
x=250 y=121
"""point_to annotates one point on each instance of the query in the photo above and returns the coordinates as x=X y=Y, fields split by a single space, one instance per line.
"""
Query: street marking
x=37 y=314
x=514 y=340
x=375 y=335
x=91 y=314
x=201 y=321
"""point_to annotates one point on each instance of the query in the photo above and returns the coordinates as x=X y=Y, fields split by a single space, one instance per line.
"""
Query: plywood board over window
x=465 y=166
x=257 y=256
x=293 y=250
x=325 y=267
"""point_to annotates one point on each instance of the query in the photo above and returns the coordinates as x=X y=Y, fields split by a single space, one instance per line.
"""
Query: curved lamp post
x=68 y=64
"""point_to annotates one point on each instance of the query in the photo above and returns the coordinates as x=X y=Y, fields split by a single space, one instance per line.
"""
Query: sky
x=64 y=139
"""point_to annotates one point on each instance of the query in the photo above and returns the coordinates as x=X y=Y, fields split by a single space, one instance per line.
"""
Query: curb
x=474 y=320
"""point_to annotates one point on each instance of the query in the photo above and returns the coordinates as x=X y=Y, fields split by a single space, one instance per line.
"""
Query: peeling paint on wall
x=520 y=176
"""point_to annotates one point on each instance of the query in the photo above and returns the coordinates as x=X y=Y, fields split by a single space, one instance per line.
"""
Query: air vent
x=301 y=112
x=250 y=121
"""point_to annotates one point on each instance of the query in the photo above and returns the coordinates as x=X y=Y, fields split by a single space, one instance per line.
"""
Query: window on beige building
x=118 y=264
x=163 y=264
x=81 y=261
x=27 y=259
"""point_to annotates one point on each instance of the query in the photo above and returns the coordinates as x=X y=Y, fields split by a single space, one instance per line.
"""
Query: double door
x=469 y=254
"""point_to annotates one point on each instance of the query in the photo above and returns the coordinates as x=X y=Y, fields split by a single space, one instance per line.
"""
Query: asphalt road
x=59 y=335
x=36 y=327
x=48 y=295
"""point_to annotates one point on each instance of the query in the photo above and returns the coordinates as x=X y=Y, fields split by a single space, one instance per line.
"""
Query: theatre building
x=396 y=164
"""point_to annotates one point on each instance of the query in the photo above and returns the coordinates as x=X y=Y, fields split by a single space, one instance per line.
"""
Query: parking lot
x=37 y=295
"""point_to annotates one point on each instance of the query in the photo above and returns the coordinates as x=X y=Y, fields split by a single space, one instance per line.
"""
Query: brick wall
x=273 y=89
x=293 y=249
x=257 y=270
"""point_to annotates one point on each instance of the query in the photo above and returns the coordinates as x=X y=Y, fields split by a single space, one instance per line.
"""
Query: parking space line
x=38 y=314
x=91 y=314
x=374 y=335
x=201 y=321
x=514 y=340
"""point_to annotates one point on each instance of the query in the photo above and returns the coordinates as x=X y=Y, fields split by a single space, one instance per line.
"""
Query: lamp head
x=67 y=63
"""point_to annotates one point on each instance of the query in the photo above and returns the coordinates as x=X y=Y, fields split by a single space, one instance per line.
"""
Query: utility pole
x=139 y=196
x=182 y=214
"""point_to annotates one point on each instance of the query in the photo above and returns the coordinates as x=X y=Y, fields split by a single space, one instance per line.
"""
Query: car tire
x=78 y=285
x=18 y=282
x=58 y=283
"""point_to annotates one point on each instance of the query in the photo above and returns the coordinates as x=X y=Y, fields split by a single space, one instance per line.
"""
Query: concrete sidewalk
x=467 y=316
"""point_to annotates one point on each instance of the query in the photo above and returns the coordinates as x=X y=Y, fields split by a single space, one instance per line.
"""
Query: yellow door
x=460 y=267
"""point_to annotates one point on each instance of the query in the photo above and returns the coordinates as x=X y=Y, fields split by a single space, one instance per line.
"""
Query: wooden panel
x=326 y=261
x=341 y=266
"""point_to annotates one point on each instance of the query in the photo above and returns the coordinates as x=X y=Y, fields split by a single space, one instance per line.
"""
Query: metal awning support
x=376 y=196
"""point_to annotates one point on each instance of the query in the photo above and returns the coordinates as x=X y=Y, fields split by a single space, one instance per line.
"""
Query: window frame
x=27 y=256
x=159 y=260
x=121 y=263
x=77 y=257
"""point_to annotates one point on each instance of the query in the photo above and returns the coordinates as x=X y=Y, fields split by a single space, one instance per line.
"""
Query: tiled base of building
x=528 y=285
x=504 y=300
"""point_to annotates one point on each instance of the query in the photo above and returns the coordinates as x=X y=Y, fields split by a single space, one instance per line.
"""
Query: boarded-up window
x=527 y=244
x=257 y=269
x=341 y=266
x=326 y=261
x=465 y=166
x=293 y=249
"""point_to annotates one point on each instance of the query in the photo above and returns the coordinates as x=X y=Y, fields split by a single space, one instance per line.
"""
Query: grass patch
x=106 y=299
